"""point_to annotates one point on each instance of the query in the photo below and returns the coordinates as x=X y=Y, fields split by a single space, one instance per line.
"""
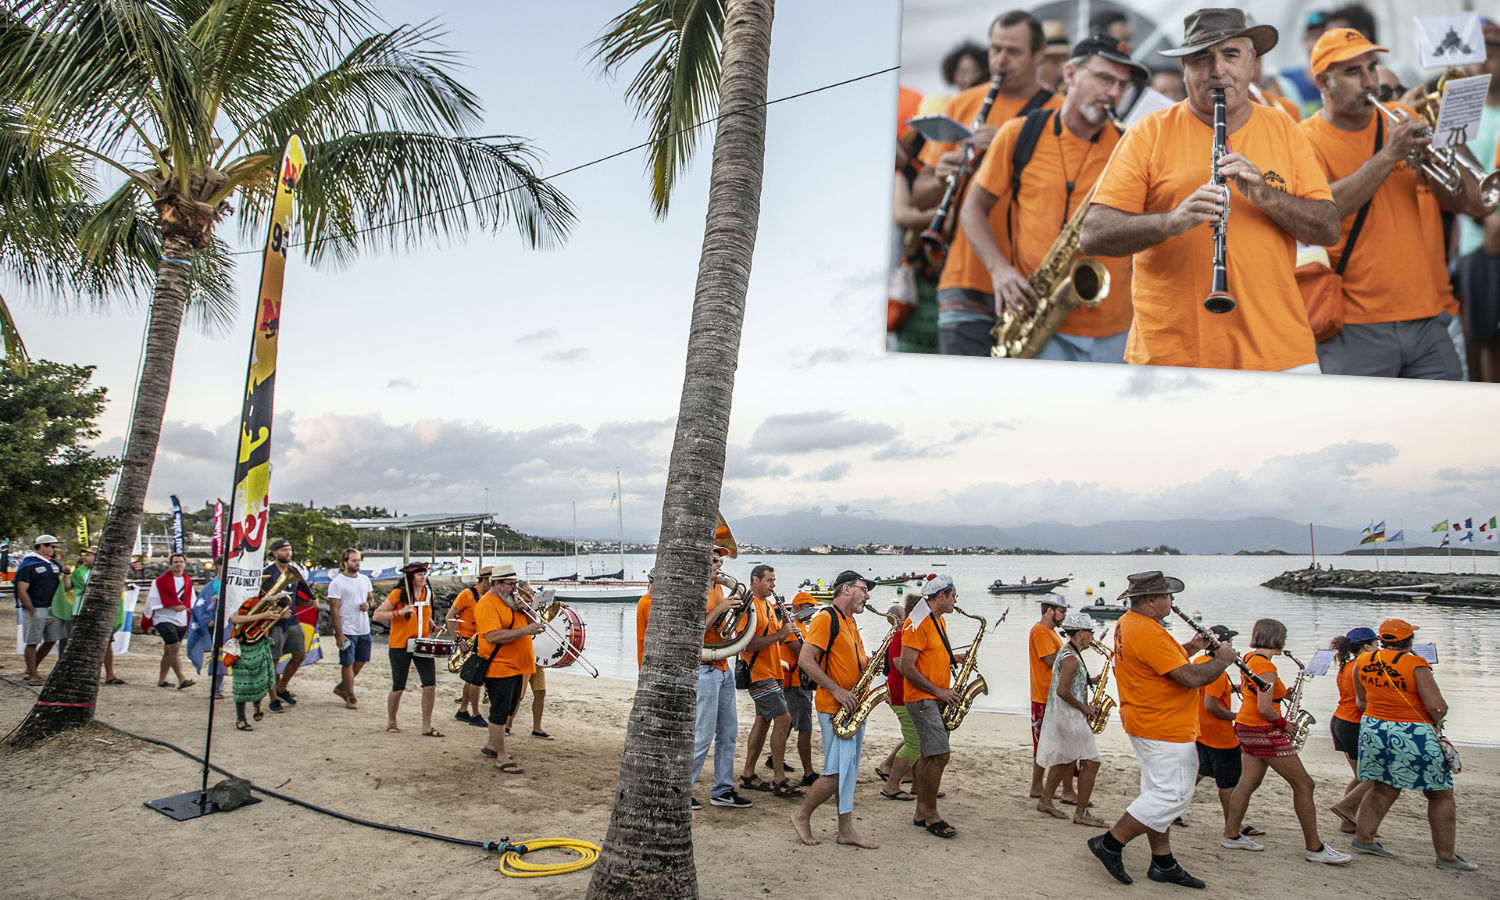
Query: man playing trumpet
x=1157 y=191
x=1394 y=321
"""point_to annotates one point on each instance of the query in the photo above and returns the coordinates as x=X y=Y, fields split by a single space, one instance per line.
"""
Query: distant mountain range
x=1196 y=536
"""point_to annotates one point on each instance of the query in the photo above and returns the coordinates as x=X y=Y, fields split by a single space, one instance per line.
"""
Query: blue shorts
x=358 y=649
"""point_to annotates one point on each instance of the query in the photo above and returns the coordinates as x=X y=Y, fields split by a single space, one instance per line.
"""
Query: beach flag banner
x=215 y=543
x=121 y=640
x=1366 y=531
x=250 y=501
x=307 y=618
x=1444 y=542
x=1398 y=536
x=83 y=533
x=1450 y=39
x=20 y=630
x=1441 y=526
x=1468 y=523
x=176 y=525
x=1467 y=536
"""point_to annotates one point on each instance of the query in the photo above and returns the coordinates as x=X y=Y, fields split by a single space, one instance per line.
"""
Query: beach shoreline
x=79 y=796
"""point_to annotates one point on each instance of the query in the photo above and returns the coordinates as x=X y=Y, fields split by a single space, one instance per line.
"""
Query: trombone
x=1444 y=166
x=524 y=598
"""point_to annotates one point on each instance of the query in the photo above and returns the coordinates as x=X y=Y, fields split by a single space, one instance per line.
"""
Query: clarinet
x=1213 y=647
x=935 y=238
x=1219 y=300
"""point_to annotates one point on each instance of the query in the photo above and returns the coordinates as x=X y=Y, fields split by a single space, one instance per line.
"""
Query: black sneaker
x=478 y=720
x=463 y=716
x=1112 y=860
x=286 y=698
x=771 y=764
x=1175 y=875
x=276 y=706
x=696 y=805
x=731 y=800
x=809 y=778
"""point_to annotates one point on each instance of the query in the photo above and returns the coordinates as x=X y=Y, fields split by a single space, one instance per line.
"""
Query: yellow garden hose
x=514 y=866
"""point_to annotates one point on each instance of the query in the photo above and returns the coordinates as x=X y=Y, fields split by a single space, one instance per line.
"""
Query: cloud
x=401 y=383
x=912 y=449
x=1469 y=477
x=1152 y=381
x=575 y=354
x=546 y=334
x=792 y=433
x=831 y=472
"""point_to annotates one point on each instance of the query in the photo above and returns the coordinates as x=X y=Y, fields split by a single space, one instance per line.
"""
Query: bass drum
x=552 y=653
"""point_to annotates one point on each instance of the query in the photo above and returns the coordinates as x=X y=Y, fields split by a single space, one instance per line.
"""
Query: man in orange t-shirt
x=1042 y=645
x=460 y=618
x=1011 y=233
x=1394 y=321
x=799 y=701
x=1159 y=699
x=1016 y=45
x=716 y=722
x=504 y=635
x=763 y=655
x=407 y=610
x=926 y=665
x=642 y=618
x=1155 y=200
x=833 y=656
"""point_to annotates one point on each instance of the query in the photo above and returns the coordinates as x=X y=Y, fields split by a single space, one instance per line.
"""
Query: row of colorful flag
x=1468 y=525
x=1374 y=533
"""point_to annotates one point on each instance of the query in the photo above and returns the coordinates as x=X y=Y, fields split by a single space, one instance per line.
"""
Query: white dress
x=1066 y=736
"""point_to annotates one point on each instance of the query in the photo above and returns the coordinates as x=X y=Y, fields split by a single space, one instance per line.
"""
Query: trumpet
x=525 y=600
x=936 y=238
x=1444 y=166
x=1219 y=300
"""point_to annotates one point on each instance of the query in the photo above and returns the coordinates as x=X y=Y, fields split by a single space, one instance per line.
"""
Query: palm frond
x=399 y=190
x=15 y=349
x=677 y=85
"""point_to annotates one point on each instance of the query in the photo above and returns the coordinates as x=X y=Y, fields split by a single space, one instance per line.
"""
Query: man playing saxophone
x=1011 y=231
x=926 y=665
x=833 y=656
x=1157 y=192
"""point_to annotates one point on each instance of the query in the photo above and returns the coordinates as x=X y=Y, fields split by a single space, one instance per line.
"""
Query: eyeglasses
x=1106 y=79
x=1388 y=93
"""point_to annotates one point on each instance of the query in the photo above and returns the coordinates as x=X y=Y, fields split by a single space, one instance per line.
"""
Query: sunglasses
x=1388 y=93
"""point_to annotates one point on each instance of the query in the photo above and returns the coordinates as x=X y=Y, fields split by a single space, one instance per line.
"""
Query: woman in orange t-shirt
x=408 y=612
x=1345 y=721
x=1265 y=743
x=1400 y=742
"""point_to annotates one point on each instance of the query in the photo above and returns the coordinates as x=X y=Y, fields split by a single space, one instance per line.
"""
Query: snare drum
x=430 y=648
x=552 y=653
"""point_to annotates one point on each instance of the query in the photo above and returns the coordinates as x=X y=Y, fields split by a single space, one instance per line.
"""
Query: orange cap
x=1338 y=45
x=1396 y=630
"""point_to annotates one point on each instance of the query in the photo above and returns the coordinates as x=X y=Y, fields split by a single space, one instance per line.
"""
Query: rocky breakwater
x=1433 y=586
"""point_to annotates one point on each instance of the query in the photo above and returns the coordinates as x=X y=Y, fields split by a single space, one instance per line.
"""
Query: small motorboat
x=1040 y=586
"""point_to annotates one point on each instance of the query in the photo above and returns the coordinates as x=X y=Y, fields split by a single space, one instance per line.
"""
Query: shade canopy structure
x=430 y=522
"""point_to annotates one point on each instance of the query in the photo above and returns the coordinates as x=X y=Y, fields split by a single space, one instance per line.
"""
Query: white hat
x=1079 y=621
x=936 y=585
x=45 y=539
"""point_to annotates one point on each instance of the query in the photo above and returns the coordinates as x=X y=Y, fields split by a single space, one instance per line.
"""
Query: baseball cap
x=1222 y=633
x=1338 y=45
x=1112 y=50
x=44 y=539
x=848 y=576
x=279 y=543
x=1360 y=635
x=936 y=585
x=1396 y=630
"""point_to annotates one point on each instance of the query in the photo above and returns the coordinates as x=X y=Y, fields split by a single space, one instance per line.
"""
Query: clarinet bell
x=1219 y=302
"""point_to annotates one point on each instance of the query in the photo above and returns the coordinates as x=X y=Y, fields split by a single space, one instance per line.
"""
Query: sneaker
x=463 y=716
x=771 y=764
x=696 y=805
x=286 y=697
x=1457 y=863
x=1175 y=875
x=1327 y=854
x=276 y=706
x=1113 y=863
x=731 y=800
x=1373 y=848
x=1240 y=843
x=809 y=778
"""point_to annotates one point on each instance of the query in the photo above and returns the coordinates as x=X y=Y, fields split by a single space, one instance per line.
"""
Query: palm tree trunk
x=68 y=697
x=648 y=851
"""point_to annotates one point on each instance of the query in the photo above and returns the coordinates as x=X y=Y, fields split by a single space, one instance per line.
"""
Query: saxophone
x=968 y=684
x=847 y=722
x=1299 y=721
x=1101 y=701
x=1062 y=282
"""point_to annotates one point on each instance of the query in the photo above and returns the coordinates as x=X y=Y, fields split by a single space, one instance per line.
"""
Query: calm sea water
x=1224 y=589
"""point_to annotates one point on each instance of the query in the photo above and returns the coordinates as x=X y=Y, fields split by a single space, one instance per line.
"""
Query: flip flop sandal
x=488 y=752
x=392 y=729
x=785 y=788
x=883 y=775
x=186 y=684
x=158 y=684
x=942 y=829
x=511 y=768
x=754 y=783
x=259 y=714
x=899 y=795
x=433 y=733
x=242 y=725
x=114 y=681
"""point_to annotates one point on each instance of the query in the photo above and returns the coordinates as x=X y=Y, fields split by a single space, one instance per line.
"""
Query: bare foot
x=1069 y=798
x=803 y=826
x=853 y=839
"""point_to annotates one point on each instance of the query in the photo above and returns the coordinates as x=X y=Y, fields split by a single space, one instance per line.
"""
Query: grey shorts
x=287 y=639
x=932 y=734
x=40 y=626
x=799 y=704
x=1420 y=348
x=770 y=699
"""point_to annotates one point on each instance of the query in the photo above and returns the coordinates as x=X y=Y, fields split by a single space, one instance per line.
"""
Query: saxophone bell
x=1299 y=721
x=968 y=684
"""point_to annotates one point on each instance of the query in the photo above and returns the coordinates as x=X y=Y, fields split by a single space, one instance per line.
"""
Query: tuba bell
x=737 y=626
x=274 y=597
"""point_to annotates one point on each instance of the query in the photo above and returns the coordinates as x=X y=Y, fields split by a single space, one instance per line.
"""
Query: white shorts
x=1168 y=773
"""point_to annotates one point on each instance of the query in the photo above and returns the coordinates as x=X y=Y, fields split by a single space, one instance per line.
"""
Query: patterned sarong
x=252 y=672
x=1264 y=741
x=1404 y=755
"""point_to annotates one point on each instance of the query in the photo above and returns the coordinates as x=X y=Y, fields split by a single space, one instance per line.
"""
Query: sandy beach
x=75 y=803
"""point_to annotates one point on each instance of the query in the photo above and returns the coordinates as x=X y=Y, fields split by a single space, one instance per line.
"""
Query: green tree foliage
x=316 y=540
x=48 y=477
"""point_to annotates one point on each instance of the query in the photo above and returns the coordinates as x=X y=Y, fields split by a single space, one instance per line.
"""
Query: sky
x=480 y=372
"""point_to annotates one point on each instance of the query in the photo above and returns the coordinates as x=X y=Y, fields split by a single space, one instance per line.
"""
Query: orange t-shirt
x=712 y=633
x=1152 y=705
x=845 y=660
x=928 y=638
x=463 y=612
x=1249 y=713
x=642 y=616
x=965 y=106
x=1348 y=708
x=791 y=675
x=1276 y=101
x=514 y=657
x=1437 y=256
x=1390 y=680
x=1163 y=159
x=1213 y=731
x=907 y=102
x=404 y=629
x=1042 y=208
x=765 y=662
x=1043 y=642
x=1381 y=283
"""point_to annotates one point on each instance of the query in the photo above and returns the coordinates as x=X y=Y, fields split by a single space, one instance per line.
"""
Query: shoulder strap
x=1020 y=156
x=833 y=635
x=1359 y=220
x=1036 y=101
x=943 y=633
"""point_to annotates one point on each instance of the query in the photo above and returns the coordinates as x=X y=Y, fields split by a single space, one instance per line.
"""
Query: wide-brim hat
x=1206 y=27
x=487 y=571
x=45 y=539
x=505 y=571
x=1055 y=32
x=1079 y=621
x=1054 y=600
x=1145 y=583
x=413 y=568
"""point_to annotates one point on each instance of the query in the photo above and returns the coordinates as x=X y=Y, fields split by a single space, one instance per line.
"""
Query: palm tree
x=701 y=52
x=188 y=103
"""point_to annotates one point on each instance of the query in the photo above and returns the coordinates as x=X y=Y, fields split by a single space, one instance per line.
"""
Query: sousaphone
x=737 y=626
